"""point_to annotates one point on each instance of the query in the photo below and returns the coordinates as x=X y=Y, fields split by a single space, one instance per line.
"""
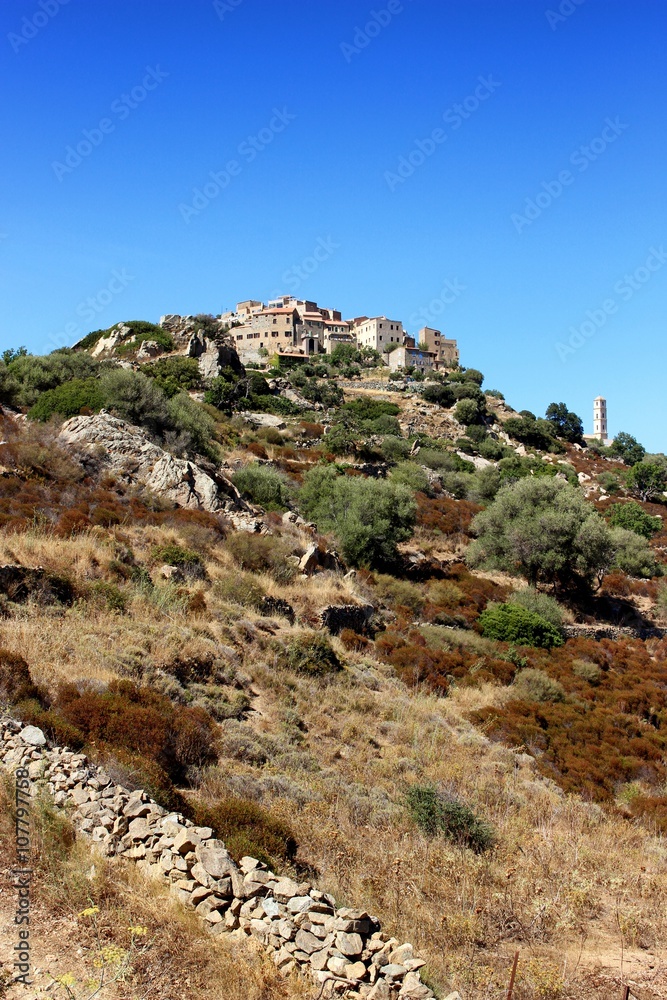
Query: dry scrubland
x=302 y=748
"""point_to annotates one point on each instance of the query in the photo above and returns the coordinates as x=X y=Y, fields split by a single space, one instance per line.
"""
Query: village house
x=378 y=332
x=446 y=351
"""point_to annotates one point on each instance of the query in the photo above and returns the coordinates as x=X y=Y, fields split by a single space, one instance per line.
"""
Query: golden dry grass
x=577 y=889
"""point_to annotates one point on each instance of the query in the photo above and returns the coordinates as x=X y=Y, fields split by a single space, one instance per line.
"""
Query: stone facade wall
x=344 y=950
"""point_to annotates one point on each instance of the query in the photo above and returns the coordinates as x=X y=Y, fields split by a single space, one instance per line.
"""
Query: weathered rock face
x=129 y=452
x=300 y=926
x=22 y=582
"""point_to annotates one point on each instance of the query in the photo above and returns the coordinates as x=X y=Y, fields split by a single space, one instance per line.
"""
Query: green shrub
x=113 y=598
x=312 y=653
x=434 y=813
x=174 y=375
x=175 y=555
x=264 y=486
x=193 y=426
x=69 y=399
x=411 y=475
x=540 y=604
x=141 y=330
x=241 y=588
x=468 y=411
x=137 y=399
x=632 y=554
x=587 y=670
x=443 y=395
x=532 y=684
x=633 y=517
x=248 y=829
x=262 y=554
x=399 y=592
x=369 y=517
x=513 y=623
x=27 y=376
x=394 y=449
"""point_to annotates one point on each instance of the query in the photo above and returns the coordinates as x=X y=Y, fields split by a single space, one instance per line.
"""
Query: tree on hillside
x=368 y=517
x=647 y=480
x=543 y=529
x=627 y=448
x=567 y=424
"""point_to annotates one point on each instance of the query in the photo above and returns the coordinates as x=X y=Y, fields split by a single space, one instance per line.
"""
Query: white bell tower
x=600 y=418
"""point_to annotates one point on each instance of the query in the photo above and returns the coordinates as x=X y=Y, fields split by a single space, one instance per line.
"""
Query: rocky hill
x=392 y=640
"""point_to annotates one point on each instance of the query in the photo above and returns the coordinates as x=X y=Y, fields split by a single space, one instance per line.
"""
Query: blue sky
x=492 y=167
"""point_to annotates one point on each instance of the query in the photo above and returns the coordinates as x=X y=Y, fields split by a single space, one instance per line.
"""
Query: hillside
x=391 y=637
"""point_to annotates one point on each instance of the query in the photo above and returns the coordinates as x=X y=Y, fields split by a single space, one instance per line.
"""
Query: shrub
x=175 y=555
x=632 y=554
x=137 y=399
x=434 y=392
x=69 y=399
x=536 y=433
x=369 y=517
x=248 y=829
x=192 y=425
x=540 y=604
x=241 y=588
x=411 y=475
x=468 y=411
x=264 y=486
x=174 y=375
x=627 y=448
x=434 y=813
x=394 y=449
x=16 y=683
x=400 y=593
x=113 y=598
x=262 y=554
x=587 y=670
x=312 y=653
x=542 y=528
x=647 y=480
x=513 y=623
x=533 y=684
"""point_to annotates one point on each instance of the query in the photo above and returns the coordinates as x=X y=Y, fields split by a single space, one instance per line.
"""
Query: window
x=248 y=336
x=274 y=333
x=274 y=320
x=239 y=336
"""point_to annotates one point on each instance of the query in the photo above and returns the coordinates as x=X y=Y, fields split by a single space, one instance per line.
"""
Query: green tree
x=647 y=480
x=567 y=424
x=627 y=448
x=467 y=411
x=369 y=517
x=632 y=554
x=69 y=399
x=633 y=517
x=435 y=392
x=543 y=529
x=529 y=430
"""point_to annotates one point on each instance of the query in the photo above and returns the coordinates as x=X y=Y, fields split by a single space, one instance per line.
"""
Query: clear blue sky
x=306 y=120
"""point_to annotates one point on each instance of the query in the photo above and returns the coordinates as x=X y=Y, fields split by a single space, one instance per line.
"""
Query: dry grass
x=180 y=958
x=571 y=885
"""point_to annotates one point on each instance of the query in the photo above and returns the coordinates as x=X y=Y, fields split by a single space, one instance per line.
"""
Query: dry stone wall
x=344 y=950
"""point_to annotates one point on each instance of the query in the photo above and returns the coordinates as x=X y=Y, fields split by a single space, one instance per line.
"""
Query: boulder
x=349 y=944
x=33 y=736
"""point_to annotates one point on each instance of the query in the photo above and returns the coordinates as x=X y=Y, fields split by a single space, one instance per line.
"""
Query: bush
x=535 y=433
x=192 y=425
x=312 y=653
x=411 y=475
x=186 y=559
x=264 y=486
x=540 y=604
x=513 y=623
x=174 y=375
x=587 y=670
x=248 y=830
x=241 y=588
x=69 y=399
x=394 y=449
x=647 y=480
x=434 y=813
x=632 y=554
x=542 y=528
x=262 y=554
x=137 y=399
x=26 y=376
x=534 y=685
x=369 y=517
x=434 y=392
x=468 y=411
x=16 y=683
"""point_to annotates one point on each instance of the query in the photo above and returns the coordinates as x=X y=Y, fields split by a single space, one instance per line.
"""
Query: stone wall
x=344 y=950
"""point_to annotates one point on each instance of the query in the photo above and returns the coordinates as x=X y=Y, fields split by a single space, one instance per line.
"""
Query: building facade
x=379 y=332
x=446 y=350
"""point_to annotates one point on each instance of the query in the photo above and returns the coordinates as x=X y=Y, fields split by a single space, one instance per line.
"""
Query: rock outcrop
x=343 y=949
x=128 y=451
